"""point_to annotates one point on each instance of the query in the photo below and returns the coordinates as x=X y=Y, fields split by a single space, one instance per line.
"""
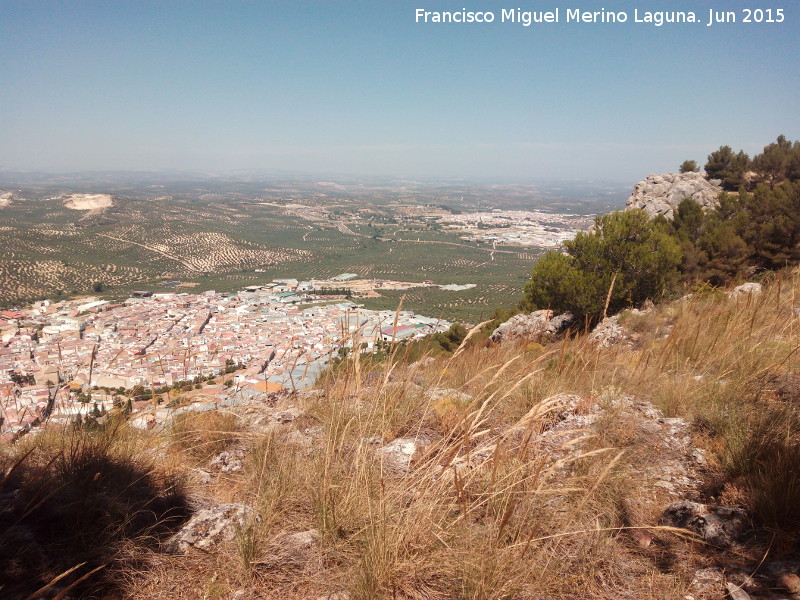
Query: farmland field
x=226 y=235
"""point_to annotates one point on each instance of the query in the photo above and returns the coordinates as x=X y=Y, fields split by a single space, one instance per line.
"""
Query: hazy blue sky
x=360 y=88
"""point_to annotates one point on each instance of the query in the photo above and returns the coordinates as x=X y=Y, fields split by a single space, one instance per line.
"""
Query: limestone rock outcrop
x=617 y=331
x=210 y=526
x=536 y=326
x=750 y=288
x=398 y=455
x=718 y=525
x=661 y=194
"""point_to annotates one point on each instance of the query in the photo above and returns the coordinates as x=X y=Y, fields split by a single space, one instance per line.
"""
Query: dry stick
x=396 y=317
x=684 y=533
x=608 y=296
x=62 y=593
x=392 y=352
x=53 y=581
x=792 y=321
x=291 y=370
x=91 y=365
x=356 y=343
x=753 y=319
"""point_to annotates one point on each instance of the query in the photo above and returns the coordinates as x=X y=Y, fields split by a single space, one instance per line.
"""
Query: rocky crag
x=661 y=194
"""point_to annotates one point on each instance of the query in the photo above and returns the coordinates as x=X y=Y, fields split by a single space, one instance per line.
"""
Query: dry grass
x=483 y=512
x=203 y=434
x=78 y=510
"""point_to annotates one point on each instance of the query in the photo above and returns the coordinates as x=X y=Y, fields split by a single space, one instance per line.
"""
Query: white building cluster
x=161 y=339
x=517 y=227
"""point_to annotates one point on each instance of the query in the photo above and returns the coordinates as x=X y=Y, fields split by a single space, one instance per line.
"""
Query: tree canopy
x=625 y=248
x=779 y=161
x=728 y=167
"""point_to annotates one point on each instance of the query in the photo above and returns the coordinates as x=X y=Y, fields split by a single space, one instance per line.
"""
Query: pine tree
x=625 y=248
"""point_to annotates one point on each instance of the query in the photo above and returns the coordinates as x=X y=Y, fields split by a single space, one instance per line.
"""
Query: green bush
x=625 y=248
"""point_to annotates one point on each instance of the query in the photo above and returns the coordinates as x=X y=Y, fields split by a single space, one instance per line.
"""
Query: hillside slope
x=661 y=464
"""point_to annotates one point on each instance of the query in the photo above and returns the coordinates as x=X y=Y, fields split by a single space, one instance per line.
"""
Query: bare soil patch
x=88 y=201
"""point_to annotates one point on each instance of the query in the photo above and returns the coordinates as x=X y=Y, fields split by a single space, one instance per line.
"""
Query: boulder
x=441 y=394
x=304 y=439
x=668 y=468
x=294 y=548
x=608 y=333
x=210 y=526
x=718 y=525
x=288 y=415
x=613 y=330
x=300 y=541
x=536 y=326
x=661 y=194
x=746 y=289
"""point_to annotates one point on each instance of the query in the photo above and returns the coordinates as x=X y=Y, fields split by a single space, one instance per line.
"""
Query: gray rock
x=561 y=322
x=288 y=415
x=436 y=394
x=661 y=194
x=537 y=326
x=398 y=454
x=292 y=549
x=210 y=526
x=611 y=332
x=736 y=592
x=201 y=475
x=718 y=525
x=708 y=582
x=608 y=333
x=298 y=438
x=667 y=469
x=228 y=461
x=302 y=540
x=746 y=289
